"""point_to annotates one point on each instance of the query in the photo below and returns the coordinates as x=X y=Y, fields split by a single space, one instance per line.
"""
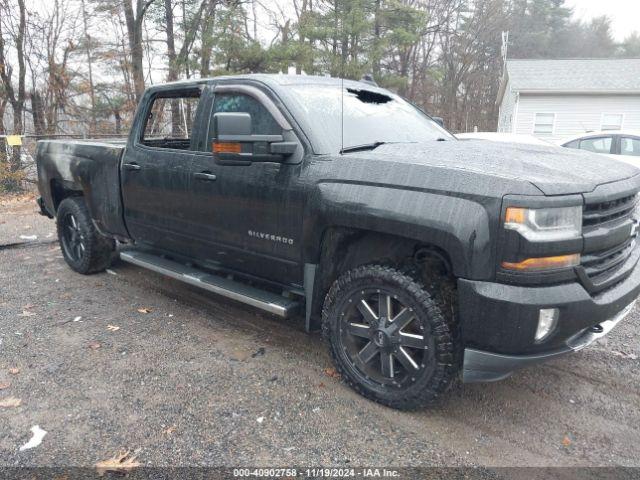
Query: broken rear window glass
x=370 y=116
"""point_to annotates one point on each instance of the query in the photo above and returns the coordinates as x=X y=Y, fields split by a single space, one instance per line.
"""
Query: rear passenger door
x=156 y=166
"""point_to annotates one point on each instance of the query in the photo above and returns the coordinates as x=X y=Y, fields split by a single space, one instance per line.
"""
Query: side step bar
x=267 y=301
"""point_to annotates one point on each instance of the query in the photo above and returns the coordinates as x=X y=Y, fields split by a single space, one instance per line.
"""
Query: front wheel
x=84 y=249
x=388 y=337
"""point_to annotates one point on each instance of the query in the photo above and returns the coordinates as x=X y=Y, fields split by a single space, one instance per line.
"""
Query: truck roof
x=276 y=80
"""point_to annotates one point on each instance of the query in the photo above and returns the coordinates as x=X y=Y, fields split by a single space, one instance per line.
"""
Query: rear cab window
x=170 y=120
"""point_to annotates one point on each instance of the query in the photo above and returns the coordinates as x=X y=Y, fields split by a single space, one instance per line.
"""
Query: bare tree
x=134 y=21
x=16 y=99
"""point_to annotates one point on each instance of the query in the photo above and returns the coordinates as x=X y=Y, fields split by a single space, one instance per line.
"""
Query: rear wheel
x=84 y=249
x=388 y=337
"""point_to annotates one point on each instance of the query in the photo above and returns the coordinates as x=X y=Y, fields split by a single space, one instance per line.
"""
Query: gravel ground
x=131 y=360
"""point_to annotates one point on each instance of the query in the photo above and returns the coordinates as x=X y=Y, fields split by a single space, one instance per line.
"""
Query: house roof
x=585 y=75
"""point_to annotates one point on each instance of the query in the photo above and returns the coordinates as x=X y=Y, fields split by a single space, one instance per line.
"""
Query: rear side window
x=262 y=123
x=597 y=145
x=630 y=146
x=169 y=123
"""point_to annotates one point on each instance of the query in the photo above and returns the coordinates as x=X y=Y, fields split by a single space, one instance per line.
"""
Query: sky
x=624 y=14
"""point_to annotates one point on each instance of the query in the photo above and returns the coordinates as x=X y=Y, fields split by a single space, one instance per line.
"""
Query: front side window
x=597 y=144
x=262 y=123
x=573 y=144
x=544 y=123
x=169 y=123
x=612 y=121
x=630 y=146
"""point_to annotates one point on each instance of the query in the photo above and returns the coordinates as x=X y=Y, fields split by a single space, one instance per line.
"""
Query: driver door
x=248 y=217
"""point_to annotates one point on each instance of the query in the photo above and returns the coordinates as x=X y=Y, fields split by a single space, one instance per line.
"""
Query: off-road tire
x=96 y=252
x=440 y=366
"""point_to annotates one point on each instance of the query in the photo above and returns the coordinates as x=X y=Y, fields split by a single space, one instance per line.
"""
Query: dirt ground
x=130 y=360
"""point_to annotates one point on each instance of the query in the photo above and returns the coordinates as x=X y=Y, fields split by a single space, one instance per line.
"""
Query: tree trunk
x=134 y=33
x=173 y=67
x=92 y=92
x=207 y=39
x=17 y=101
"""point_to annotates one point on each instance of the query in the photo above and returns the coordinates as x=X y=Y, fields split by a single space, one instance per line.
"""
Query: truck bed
x=88 y=166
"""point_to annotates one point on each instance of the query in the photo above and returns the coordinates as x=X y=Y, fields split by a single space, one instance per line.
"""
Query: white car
x=503 y=137
x=618 y=144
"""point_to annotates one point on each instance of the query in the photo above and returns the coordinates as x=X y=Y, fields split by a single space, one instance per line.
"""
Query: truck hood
x=553 y=170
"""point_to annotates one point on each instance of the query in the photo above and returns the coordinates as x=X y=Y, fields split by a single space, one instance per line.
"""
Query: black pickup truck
x=422 y=258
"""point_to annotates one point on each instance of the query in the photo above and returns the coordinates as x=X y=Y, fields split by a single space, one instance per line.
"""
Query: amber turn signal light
x=515 y=215
x=544 y=263
x=219 y=147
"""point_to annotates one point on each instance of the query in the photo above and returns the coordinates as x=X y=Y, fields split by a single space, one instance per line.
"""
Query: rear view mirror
x=438 y=120
x=234 y=144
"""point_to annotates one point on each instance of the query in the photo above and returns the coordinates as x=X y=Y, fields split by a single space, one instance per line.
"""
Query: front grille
x=600 y=222
x=603 y=212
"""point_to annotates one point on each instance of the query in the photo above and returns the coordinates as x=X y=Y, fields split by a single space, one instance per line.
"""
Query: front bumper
x=481 y=366
x=498 y=321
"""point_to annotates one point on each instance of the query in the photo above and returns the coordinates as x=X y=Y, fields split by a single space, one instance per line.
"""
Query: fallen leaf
x=331 y=372
x=14 y=371
x=120 y=464
x=4 y=385
x=94 y=345
x=113 y=328
x=566 y=441
x=10 y=402
x=170 y=430
x=26 y=313
x=144 y=310
x=36 y=439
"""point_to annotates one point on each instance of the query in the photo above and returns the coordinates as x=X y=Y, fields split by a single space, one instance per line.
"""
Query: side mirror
x=234 y=144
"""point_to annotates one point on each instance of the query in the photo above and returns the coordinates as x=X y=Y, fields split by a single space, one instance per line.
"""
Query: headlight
x=545 y=224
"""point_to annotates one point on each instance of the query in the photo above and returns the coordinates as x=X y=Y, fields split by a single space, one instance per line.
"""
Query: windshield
x=370 y=116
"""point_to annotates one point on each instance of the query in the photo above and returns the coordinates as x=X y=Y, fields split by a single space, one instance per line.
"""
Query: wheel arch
x=343 y=249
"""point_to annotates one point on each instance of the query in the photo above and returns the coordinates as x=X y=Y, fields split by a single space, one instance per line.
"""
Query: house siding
x=575 y=114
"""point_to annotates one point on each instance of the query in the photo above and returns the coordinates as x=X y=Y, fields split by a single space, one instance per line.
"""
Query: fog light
x=547 y=320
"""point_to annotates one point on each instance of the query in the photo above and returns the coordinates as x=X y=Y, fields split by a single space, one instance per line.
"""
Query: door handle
x=205 y=176
x=131 y=166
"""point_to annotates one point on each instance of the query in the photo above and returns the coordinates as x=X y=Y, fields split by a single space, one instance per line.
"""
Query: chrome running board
x=262 y=299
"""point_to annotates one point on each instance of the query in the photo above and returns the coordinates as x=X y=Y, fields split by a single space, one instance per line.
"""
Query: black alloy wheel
x=388 y=337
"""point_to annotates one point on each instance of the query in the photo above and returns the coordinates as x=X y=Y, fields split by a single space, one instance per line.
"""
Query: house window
x=612 y=121
x=544 y=123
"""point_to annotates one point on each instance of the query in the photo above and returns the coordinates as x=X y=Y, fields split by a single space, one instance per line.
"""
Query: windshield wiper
x=362 y=148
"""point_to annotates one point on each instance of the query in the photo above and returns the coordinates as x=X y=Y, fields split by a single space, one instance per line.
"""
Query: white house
x=554 y=99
